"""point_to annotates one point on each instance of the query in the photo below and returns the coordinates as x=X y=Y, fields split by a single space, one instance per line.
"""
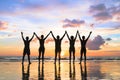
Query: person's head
x=42 y=36
x=83 y=37
x=27 y=38
x=72 y=37
x=58 y=37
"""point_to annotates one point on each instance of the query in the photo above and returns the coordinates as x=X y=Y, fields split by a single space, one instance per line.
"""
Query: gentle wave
x=19 y=58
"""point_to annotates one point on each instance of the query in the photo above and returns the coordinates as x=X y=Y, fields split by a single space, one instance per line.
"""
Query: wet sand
x=92 y=70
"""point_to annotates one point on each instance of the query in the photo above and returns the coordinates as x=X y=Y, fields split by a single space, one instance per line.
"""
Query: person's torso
x=83 y=44
x=41 y=41
x=27 y=44
x=58 y=43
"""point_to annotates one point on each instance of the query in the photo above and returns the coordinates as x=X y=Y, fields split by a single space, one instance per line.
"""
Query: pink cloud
x=3 y=25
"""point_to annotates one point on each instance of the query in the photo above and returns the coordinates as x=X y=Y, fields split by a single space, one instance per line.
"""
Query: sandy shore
x=93 y=70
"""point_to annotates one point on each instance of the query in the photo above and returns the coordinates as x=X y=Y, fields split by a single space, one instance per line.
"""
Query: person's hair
x=58 y=36
x=83 y=37
x=27 y=38
x=42 y=36
x=72 y=37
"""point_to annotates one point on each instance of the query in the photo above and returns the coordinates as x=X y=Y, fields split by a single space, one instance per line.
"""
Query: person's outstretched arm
x=36 y=35
x=89 y=35
x=76 y=35
x=67 y=35
x=47 y=35
x=79 y=35
x=63 y=36
x=32 y=37
x=52 y=35
x=22 y=36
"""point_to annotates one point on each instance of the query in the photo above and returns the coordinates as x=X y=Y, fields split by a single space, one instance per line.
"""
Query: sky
x=102 y=17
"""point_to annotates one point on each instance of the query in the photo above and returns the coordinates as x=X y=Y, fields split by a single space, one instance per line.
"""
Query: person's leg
x=85 y=55
x=69 y=56
x=39 y=55
x=29 y=58
x=81 y=55
x=55 y=56
x=73 y=56
x=24 y=52
x=43 y=55
x=59 y=56
x=23 y=58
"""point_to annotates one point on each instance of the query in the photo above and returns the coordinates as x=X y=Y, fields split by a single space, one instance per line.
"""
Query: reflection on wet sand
x=83 y=69
x=57 y=72
x=40 y=72
x=72 y=71
x=25 y=75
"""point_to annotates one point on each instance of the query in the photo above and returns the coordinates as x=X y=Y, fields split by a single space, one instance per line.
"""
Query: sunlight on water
x=93 y=70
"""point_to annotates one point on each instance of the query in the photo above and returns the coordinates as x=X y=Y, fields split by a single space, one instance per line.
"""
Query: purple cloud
x=108 y=39
x=72 y=23
x=96 y=43
x=102 y=16
x=101 y=13
x=97 y=8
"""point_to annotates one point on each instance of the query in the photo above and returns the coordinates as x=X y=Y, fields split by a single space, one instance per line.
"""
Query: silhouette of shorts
x=26 y=51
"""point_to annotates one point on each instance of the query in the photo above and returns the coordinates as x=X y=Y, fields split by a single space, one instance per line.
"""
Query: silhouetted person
x=83 y=46
x=26 y=47
x=25 y=75
x=58 y=41
x=40 y=72
x=57 y=72
x=72 y=72
x=42 y=47
x=71 y=48
x=83 y=72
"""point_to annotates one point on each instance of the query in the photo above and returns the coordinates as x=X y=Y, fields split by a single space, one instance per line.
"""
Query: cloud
x=97 y=8
x=102 y=13
x=3 y=25
x=73 y=23
x=102 y=16
x=108 y=39
x=96 y=43
x=49 y=40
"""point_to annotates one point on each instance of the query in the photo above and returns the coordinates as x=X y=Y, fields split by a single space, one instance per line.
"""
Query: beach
x=92 y=70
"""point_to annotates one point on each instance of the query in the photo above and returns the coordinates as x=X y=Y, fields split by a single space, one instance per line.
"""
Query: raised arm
x=76 y=35
x=22 y=36
x=79 y=35
x=32 y=37
x=63 y=36
x=47 y=35
x=67 y=35
x=89 y=35
x=52 y=35
x=36 y=35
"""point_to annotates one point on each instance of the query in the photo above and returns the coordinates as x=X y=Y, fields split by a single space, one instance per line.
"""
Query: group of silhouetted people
x=58 y=41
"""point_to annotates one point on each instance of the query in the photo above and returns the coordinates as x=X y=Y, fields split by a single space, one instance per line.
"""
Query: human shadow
x=25 y=75
x=58 y=41
x=40 y=72
x=57 y=71
x=42 y=47
x=83 y=69
x=72 y=71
